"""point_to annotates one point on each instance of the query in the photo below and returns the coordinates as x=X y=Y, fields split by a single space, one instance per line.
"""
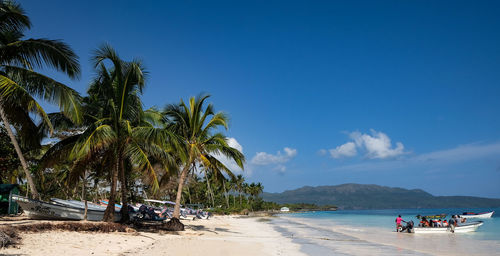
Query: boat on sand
x=36 y=209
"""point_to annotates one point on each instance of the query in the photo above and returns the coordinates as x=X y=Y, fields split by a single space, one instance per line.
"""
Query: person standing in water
x=398 y=223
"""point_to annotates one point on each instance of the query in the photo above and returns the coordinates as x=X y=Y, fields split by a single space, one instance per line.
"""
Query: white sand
x=224 y=235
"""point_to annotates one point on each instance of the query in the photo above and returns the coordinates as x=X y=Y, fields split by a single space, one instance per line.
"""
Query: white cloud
x=435 y=159
x=377 y=145
x=345 y=150
x=232 y=142
x=229 y=163
x=263 y=158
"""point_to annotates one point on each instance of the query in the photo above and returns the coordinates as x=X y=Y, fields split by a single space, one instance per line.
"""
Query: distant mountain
x=358 y=196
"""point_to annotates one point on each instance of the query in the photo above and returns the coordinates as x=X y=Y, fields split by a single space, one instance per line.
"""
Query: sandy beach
x=222 y=235
x=235 y=235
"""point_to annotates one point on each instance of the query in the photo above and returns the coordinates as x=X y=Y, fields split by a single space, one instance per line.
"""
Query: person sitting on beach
x=445 y=223
x=438 y=223
x=422 y=222
x=427 y=223
x=398 y=222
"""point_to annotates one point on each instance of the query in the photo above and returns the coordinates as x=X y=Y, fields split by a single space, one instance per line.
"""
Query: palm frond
x=48 y=89
x=13 y=17
x=93 y=140
x=59 y=152
x=139 y=157
x=41 y=52
x=13 y=93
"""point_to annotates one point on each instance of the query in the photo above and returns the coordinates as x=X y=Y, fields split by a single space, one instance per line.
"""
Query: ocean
x=372 y=232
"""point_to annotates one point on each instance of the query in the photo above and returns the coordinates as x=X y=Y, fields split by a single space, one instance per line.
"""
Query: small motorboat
x=62 y=210
x=461 y=228
x=482 y=215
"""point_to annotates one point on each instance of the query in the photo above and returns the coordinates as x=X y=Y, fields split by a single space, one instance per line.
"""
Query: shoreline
x=241 y=235
x=355 y=240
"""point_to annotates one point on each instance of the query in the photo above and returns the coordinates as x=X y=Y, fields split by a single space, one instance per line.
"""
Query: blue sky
x=396 y=93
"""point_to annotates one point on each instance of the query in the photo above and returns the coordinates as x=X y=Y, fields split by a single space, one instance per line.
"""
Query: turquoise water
x=385 y=219
x=372 y=232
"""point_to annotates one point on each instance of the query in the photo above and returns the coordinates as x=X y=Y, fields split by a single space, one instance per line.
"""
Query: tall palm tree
x=232 y=187
x=239 y=184
x=121 y=128
x=20 y=84
x=195 y=127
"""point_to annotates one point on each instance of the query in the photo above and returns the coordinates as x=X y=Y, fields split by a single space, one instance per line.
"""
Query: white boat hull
x=463 y=228
x=78 y=204
x=42 y=210
x=478 y=216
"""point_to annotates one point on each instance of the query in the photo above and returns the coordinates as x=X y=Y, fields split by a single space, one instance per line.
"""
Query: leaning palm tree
x=195 y=127
x=20 y=84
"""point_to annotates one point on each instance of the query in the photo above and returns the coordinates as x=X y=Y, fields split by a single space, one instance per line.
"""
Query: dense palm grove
x=107 y=145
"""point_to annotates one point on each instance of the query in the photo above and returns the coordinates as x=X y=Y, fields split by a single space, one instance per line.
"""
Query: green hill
x=358 y=196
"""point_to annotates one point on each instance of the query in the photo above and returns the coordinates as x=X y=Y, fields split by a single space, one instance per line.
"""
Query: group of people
x=433 y=223
x=424 y=222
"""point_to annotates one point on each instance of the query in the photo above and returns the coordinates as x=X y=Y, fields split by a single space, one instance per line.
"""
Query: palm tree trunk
x=84 y=197
x=123 y=181
x=109 y=214
x=34 y=192
x=225 y=193
x=209 y=189
x=177 y=207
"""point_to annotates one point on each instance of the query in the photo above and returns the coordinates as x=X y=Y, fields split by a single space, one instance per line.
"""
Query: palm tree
x=254 y=190
x=239 y=183
x=20 y=84
x=232 y=187
x=251 y=190
x=195 y=126
x=121 y=129
x=259 y=188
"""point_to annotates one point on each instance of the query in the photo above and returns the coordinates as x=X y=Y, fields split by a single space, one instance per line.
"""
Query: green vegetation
x=194 y=128
x=107 y=145
x=223 y=195
x=20 y=85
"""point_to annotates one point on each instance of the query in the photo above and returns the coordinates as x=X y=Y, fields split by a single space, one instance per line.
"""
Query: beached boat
x=462 y=228
x=482 y=215
x=36 y=209
x=79 y=204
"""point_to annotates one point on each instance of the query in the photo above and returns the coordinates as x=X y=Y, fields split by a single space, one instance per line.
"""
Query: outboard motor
x=408 y=227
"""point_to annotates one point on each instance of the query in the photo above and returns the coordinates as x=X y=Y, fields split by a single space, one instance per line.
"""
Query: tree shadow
x=215 y=230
